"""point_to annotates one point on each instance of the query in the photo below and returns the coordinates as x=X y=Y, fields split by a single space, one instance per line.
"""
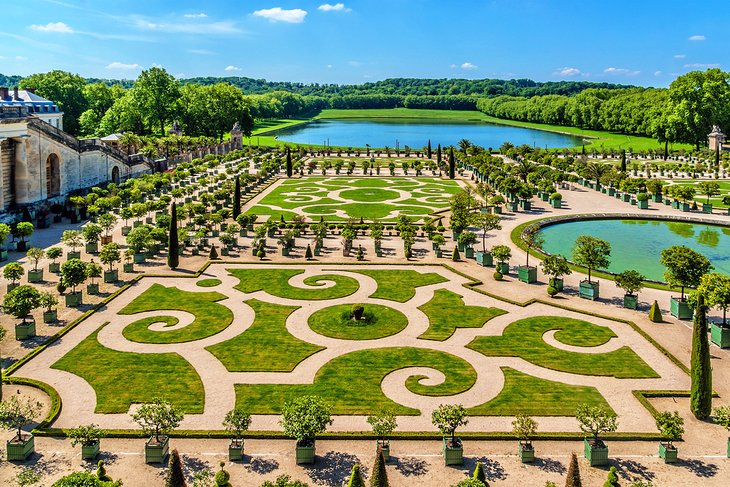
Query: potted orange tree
x=524 y=428
x=49 y=301
x=591 y=253
x=685 y=268
x=303 y=419
x=89 y=437
x=532 y=239
x=14 y=415
x=35 y=255
x=237 y=422
x=631 y=282
x=157 y=419
x=671 y=427
x=595 y=420
x=447 y=418
x=20 y=302
x=383 y=425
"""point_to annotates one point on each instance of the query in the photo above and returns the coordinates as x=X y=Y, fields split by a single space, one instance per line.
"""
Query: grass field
x=276 y=283
x=377 y=322
x=400 y=285
x=446 y=312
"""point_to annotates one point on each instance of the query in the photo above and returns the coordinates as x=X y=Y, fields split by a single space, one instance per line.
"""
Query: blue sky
x=644 y=42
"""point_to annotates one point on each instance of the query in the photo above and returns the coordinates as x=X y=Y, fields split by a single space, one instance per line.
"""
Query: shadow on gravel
x=550 y=465
x=191 y=465
x=262 y=466
x=634 y=471
x=699 y=468
x=409 y=466
x=332 y=468
x=493 y=470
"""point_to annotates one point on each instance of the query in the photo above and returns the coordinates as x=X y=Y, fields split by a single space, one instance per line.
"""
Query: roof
x=112 y=137
x=25 y=98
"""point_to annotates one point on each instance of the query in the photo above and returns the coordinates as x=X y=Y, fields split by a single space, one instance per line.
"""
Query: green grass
x=208 y=283
x=210 y=317
x=377 y=322
x=266 y=346
x=121 y=379
x=525 y=394
x=351 y=383
x=446 y=312
x=400 y=285
x=524 y=339
x=276 y=283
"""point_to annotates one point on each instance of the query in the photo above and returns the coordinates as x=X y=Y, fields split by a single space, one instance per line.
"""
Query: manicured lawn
x=210 y=318
x=446 y=312
x=523 y=339
x=266 y=346
x=121 y=379
x=400 y=285
x=377 y=322
x=208 y=283
x=525 y=394
x=276 y=283
x=351 y=383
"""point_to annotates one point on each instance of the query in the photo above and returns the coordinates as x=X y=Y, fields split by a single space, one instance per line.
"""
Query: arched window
x=53 y=176
x=115 y=174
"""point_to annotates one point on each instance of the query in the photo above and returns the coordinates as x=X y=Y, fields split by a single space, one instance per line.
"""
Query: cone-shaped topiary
x=479 y=474
x=612 y=480
x=101 y=472
x=655 y=314
x=701 y=371
x=213 y=253
x=175 y=476
x=573 y=479
x=356 y=479
x=308 y=253
x=380 y=476
x=173 y=245
x=456 y=256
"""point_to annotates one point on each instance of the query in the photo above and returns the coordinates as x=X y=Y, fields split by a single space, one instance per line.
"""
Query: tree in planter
x=35 y=255
x=92 y=234
x=595 y=420
x=48 y=301
x=13 y=271
x=107 y=222
x=501 y=253
x=685 y=267
x=383 y=424
x=555 y=266
x=533 y=239
x=591 y=253
x=467 y=239
x=23 y=230
x=524 y=428
x=447 y=418
x=85 y=435
x=54 y=253
x=237 y=422
x=110 y=255
x=16 y=413
x=304 y=418
x=709 y=189
x=21 y=301
x=715 y=287
x=93 y=271
x=139 y=238
x=700 y=367
x=72 y=238
x=158 y=418
x=670 y=426
x=630 y=281
x=460 y=214
x=73 y=273
x=486 y=222
x=4 y=232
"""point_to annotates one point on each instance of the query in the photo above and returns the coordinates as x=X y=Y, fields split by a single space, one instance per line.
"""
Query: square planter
x=384 y=446
x=611 y=191
x=596 y=453
x=513 y=206
x=35 y=276
x=485 y=259
x=439 y=253
x=680 y=309
x=668 y=453
x=128 y=267
x=156 y=452
x=54 y=267
x=503 y=268
x=89 y=452
x=73 y=300
x=26 y=330
x=684 y=207
x=497 y=210
x=527 y=453
x=557 y=283
x=317 y=251
x=285 y=251
x=656 y=198
x=643 y=205
x=527 y=274
x=111 y=276
x=526 y=205
x=706 y=207
x=126 y=230
x=71 y=254
x=139 y=258
x=626 y=197
x=453 y=455
x=589 y=290
x=92 y=289
x=720 y=335
x=3 y=255
x=50 y=316
x=469 y=252
x=19 y=449
x=92 y=248
x=631 y=301
x=305 y=454
x=224 y=251
x=545 y=197
x=235 y=450
x=556 y=203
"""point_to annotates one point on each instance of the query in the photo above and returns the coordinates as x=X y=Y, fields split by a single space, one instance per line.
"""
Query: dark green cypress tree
x=655 y=314
x=573 y=479
x=308 y=254
x=479 y=473
x=237 y=198
x=356 y=479
x=623 y=160
x=288 y=163
x=452 y=164
x=583 y=150
x=438 y=154
x=380 y=476
x=666 y=150
x=428 y=149
x=175 y=476
x=456 y=256
x=173 y=246
x=701 y=371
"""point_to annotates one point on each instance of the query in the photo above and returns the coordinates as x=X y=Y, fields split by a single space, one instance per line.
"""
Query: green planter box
x=556 y=203
x=126 y=230
x=19 y=451
x=225 y=251
x=597 y=455
x=643 y=205
x=139 y=258
x=285 y=251
x=589 y=290
x=235 y=450
x=485 y=259
x=92 y=248
x=50 y=316
x=527 y=453
x=439 y=253
x=497 y=210
x=384 y=446
x=317 y=251
x=720 y=335
x=469 y=252
x=656 y=198
x=26 y=330
x=305 y=454
x=156 y=453
x=668 y=453
x=73 y=300
x=453 y=455
x=3 y=255
x=611 y=191
x=527 y=274
x=680 y=309
x=557 y=283
x=89 y=452
x=136 y=224
x=513 y=205
x=111 y=276
x=545 y=196
x=54 y=267
x=243 y=233
x=73 y=255
x=631 y=301
x=684 y=207
x=35 y=276
x=626 y=197
x=503 y=268
x=706 y=207
x=128 y=267
x=526 y=205
x=92 y=289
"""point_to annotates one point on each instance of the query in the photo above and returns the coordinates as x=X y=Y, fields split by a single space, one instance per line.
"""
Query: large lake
x=415 y=133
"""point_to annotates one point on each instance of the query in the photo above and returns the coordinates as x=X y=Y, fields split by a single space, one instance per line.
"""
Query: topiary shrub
x=357 y=311
x=308 y=254
x=573 y=479
x=455 y=256
x=655 y=314
x=552 y=291
x=498 y=276
x=213 y=253
x=222 y=478
x=612 y=480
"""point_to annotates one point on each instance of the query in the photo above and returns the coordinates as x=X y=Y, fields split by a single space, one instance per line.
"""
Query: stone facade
x=715 y=139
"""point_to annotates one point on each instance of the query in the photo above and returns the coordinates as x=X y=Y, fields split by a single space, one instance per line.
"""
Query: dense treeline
x=9 y=81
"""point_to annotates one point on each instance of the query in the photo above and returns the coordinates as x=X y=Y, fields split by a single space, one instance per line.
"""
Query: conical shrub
x=655 y=314
x=356 y=479
x=573 y=479
x=175 y=476
x=380 y=476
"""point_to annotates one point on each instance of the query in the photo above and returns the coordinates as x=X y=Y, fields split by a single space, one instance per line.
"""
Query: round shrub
x=552 y=291
x=556 y=196
x=498 y=276
x=357 y=311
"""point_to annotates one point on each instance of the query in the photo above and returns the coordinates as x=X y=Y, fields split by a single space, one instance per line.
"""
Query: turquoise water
x=415 y=134
x=636 y=244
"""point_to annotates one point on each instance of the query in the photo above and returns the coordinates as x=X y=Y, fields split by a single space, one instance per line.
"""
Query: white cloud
x=200 y=15
x=657 y=73
x=329 y=66
x=469 y=66
x=338 y=7
x=354 y=64
x=277 y=14
x=58 y=27
x=701 y=65
x=21 y=58
x=621 y=72
x=568 y=71
x=697 y=38
x=118 y=65
x=680 y=56
x=232 y=68
x=206 y=28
